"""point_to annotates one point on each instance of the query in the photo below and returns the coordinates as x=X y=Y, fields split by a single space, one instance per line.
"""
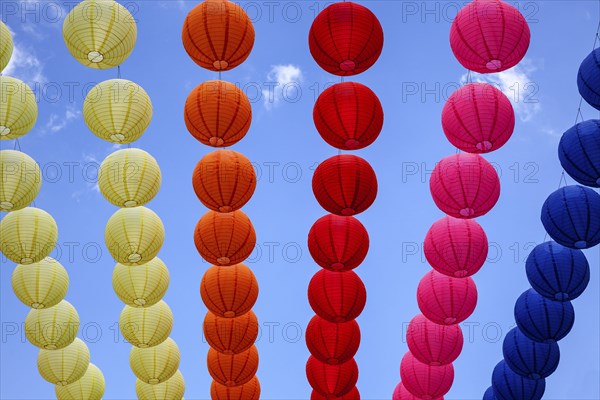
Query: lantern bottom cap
x=139 y=302
x=333 y=361
x=562 y=296
x=142 y=345
x=50 y=347
x=450 y=321
x=130 y=203
x=461 y=274
x=134 y=257
x=230 y=384
x=117 y=137
x=598 y=181
x=534 y=376
x=339 y=320
x=225 y=209
x=348 y=212
x=37 y=306
x=352 y=144
x=26 y=260
x=338 y=266
x=153 y=381
x=6 y=205
x=466 y=212
x=435 y=364
x=220 y=65
x=347 y=65
x=216 y=141
x=223 y=260
x=95 y=57
x=4 y=130
x=427 y=397
x=484 y=146
x=229 y=314
x=62 y=383
x=494 y=65
x=581 y=244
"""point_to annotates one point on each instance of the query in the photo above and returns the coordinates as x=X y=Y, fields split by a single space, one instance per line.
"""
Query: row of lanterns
x=345 y=40
x=486 y=36
x=28 y=237
x=218 y=35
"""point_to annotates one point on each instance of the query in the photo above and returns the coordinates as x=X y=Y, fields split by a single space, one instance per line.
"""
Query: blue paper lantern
x=528 y=358
x=588 y=79
x=571 y=216
x=557 y=272
x=579 y=152
x=541 y=319
x=489 y=394
x=509 y=385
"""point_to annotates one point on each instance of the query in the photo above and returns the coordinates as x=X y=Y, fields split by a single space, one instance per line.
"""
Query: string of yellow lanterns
x=29 y=236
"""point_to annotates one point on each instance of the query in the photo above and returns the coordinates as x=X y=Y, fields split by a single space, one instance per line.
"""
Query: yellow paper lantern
x=6 y=46
x=18 y=108
x=129 y=178
x=52 y=328
x=171 y=389
x=156 y=364
x=28 y=235
x=100 y=34
x=89 y=387
x=65 y=366
x=21 y=180
x=134 y=236
x=40 y=285
x=117 y=110
x=146 y=327
x=142 y=285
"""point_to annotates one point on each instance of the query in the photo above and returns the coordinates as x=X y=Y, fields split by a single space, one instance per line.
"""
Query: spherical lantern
x=579 y=152
x=232 y=369
x=337 y=296
x=18 y=108
x=489 y=394
x=156 y=364
x=6 y=47
x=465 y=185
x=171 y=389
x=331 y=380
x=40 y=285
x=478 y=118
x=489 y=36
x=65 y=366
x=134 y=236
x=225 y=238
x=346 y=39
x=401 y=393
x=141 y=285
x=21 y=179
x=508 y=385
x=445 y=300
x=330 y=342
x=541 y=319
x=338 y=243
x=117 y=110
x=348 y=116
x=218 y=35
x=224 y=180
x=528 y=358
x=433 y=344
x=129 y=178
x=231 y=335
x=456 y=247
x=557 y=272
x=424 y=381
x=248 y=391
x=52 y=328
x=345 y=185
x=353 y=394
x=146 y=327
x=571 y=216
x=588 y=80
x=229 y=292
x=89 y=387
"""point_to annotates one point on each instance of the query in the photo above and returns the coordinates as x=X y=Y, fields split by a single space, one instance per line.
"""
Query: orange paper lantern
x=229 y=291
x=248 y=391
x=232 y=370
x=231 y=335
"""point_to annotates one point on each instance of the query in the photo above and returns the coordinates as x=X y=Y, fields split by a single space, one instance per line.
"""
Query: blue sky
x=413 y=77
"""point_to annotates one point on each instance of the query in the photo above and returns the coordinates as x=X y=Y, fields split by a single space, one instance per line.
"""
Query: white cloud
x=283 y=84
x=57 y=123
x=25 y=65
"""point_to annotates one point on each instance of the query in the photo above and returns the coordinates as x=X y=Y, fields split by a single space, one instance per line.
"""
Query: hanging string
x=118 y=71
x=17 y=145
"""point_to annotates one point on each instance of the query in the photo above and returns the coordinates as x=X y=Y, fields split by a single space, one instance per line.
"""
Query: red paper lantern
x=353 y=394
x=433 y=344
x=423 y=381
x=331 y=380
x=400 y=393
x=330 y=342
x=337 y=296
x=445 y=300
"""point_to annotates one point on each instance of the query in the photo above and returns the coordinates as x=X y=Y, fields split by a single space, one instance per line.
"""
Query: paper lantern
x=141 y=285
x=229 y=292
x=146 y=327
x=579 y=152
x=43 y=284
x=337 y=296
x=154 y=365
x=232 y=369
x=330 y=342
x=445 y=300
x=231 y=335
x=400 y=393
x=489 y=36
x=171 y=389
x=541 y=319
x=588 y=81
x=456 y=247
x=224 y=180
x=478 y=118
x=225 y=238
x=117 y=110
x=18 y=108
x=21 y=179
x=556 y=272
x=353 y=394
x=28 y=235
x=508 y=385
x=218 y=113
x=218 y=35
x=464 y=185
x=571 y=216
x=52 y=328
x=528 y=358
x=6 y=47
x=100 y=34
x=346 y=39
x=134 y=236
x=331 y=381
x=248 y=391
x=424 y=381
x=89 y=387
x=65 y=366
x=345 y=185
x=348 y=116
x=338 y=243
x=129 y=177
x=489 y=394
x=433 y=344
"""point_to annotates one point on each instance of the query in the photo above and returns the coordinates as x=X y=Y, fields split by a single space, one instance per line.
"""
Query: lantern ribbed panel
x=146 y=327
x=508 y=385
x=171 y=389
x=425 y=381
x=401 y=393
x=229 y=292
x=579 y=152
x=433 y=344
x=18 y=108
x=331 y=380
x=21 y=179
x=43 y=284
x=588 y=80
x=52 y=328
x=231 y=335
x=117 y=110
x=337 y=296
x=65 y=366
x=248 y=391
x=6 y=47
x=528 y=358
x=445 y=300
x=89 y=387
x=100 y=34
x=232 y=369
x=141 y=285
x=156 y=364
x=353 y=394
x=330 y=342
x=541 y=319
